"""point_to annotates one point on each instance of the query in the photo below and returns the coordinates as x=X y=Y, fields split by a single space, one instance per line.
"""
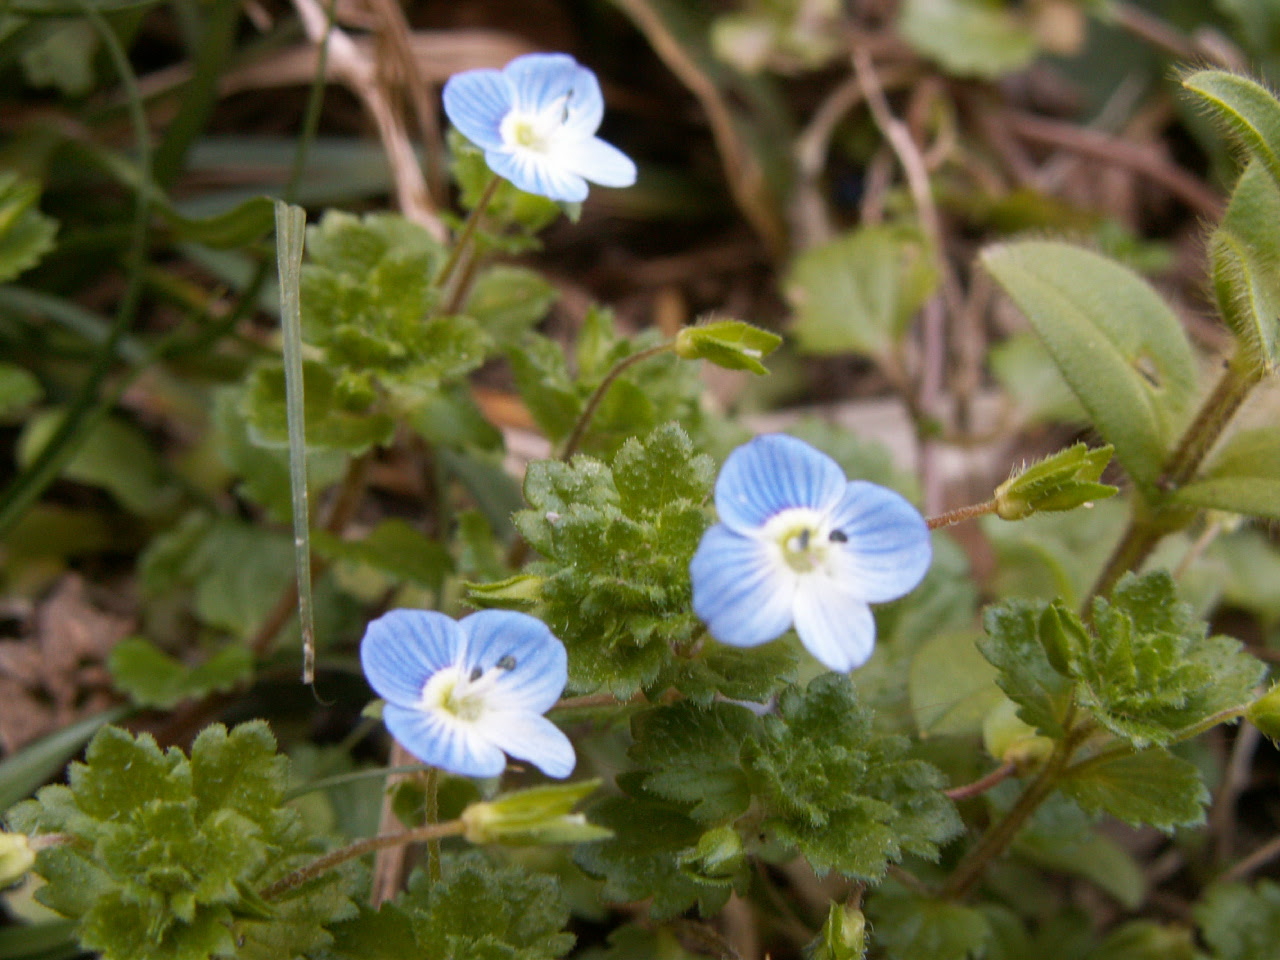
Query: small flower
x=535 y=120
x=461 y=693
x=798 y=544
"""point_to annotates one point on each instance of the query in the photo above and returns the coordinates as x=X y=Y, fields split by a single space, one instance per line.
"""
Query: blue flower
x=799 y=545
x=535 y=120
x=460 y=694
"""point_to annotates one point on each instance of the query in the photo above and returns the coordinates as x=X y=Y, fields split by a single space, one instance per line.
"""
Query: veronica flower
x=461 y=693
x=799 y=545
x=535 y=120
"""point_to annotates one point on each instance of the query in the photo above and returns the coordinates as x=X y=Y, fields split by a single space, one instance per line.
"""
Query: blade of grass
x=291 y=227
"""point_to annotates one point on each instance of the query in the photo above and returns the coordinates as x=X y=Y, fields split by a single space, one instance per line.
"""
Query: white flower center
x=802 y=538
x=535 y=131
x=463 y=695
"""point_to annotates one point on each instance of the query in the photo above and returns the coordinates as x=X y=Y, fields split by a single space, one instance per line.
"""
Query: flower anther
x=462 y=693
x=535 y=120
x=798 y=545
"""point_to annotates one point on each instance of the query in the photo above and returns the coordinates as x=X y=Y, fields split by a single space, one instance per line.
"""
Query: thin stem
x=980 y=786
x=433 y=831
x=432 y=788
x=467 y=232
x=591 y=700
x=960 y=514
x=589 y=411
x=1263 y=855
x=340 y=779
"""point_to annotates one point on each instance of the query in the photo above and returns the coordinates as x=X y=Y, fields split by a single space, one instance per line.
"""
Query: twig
x=359 y=74
x=1102 y=146
x=1263 y=855
x=983 y=784
x=742 y=170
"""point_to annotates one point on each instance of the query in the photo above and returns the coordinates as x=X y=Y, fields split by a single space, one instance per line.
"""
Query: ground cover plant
x=639 y=479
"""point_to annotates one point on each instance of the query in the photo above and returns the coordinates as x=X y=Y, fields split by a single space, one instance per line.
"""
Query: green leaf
x=26 y=234
x=1244 y=264
x=1148 y=672
x=1242 y=477
x=642 y=858
x=847 y=798
x=1116 y=342
x=63 y=57
x=617 y=542
x=19 y=389
x=115 y=456
x=508 y=301
x=1097 y=858
x=1013 y=646
x=859 y=293
x=951 y=685
x=382 y=934
x=337 y=418
x=1240 y=923
x=394 y=548
x=152 y=678
x=1152 y=788
x=1245 y=109
x=912 y=927
x=969 y=37
x=1027 y=373
x=22 y=772
x=730 y=344
x=1144 y=940
x=484 y=911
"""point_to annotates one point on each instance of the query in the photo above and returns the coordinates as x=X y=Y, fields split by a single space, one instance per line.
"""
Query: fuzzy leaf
x=1245 y=108
x=508 y=301
x=1244 y=264
x=858 y=294
x=1243 y=476
x=1152 y=788
x=912 y=927
x=1014 y=647
x=26 y=234
x=152 y=678
x=338 y=414
x=393 y=547
x=1240 y=923
x=1117 y=343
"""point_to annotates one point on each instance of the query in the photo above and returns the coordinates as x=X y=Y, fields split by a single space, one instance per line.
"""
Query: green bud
x=534 y=816
x=521 y=592
x=16 y=857
x=731 y=344
x=1064 y=481
x=1009 y=739
x=1264 y=713
x=718 y=856
x=843 y=936
x=1061 y=635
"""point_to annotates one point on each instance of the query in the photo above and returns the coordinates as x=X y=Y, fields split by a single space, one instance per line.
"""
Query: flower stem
x=983 y=784
x=432 y=786
x=960 y=514
x=432 y=831
x=467 y=232
x=589 y=411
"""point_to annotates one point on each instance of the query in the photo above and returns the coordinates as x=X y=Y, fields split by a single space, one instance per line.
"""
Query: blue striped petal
x=772 y=473
x=528 y=736
x=585 y=108
x=403 y=648
x=596 y=161
x=833 y=624
x=539 y=666
x=739 y=590
x=888 y=548
x=537 y=80
x=443 y=742
x=476 y=103
x=536 y=173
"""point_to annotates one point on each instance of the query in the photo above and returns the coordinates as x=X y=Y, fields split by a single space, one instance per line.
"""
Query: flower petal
x=585 y=108
x=537 y=80
x=889 y=548
x=535 y=173
x=540 y=666
x=740 y=591
x=772 y=473
x=403 y=648
x=444 y=742
x=476 y=102
x=594 y=160
x=833 y=624
x=528 y=736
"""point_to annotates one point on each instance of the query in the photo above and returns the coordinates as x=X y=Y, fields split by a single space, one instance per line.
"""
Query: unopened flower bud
x=534 y=816
x=16 y=857
x=1264 y=713
x=1064 y=481
x=1009 y=739
x=843 y=936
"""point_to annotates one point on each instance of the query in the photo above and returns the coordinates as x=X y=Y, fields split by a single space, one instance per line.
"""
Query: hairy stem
x=589 y=411
x=432 y=831
x=467 y=232
x=980 y=786
x=961 y=514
